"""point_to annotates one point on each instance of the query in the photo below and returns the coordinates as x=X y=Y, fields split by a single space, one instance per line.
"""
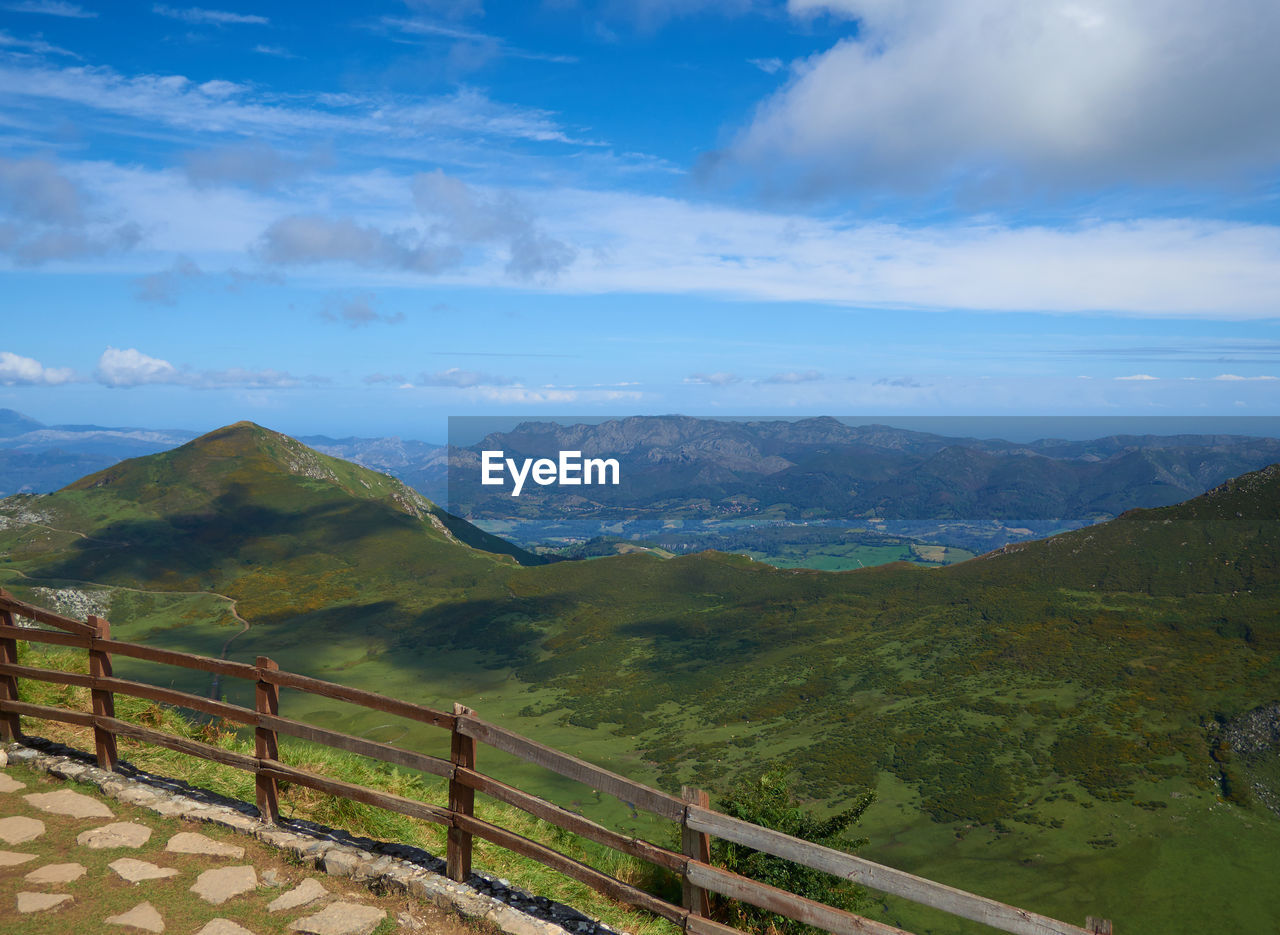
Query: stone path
x=72 y=873
x=70 y=864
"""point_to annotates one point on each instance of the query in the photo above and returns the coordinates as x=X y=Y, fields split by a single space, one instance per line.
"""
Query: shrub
x=770 y=802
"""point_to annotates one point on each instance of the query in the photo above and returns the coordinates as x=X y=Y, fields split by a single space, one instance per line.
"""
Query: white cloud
x=44 y=216
x=518 y=395
x=1162 y=268
x=1139 y=376
x=52 y=8
x=130 y=367
x=310 y=239
x=254 y=164
x=16 y=370
x=1232 y=378
x=199 y=16
x=997 y=93
x=34 y=190
x=1157 y=268
x=466 y=215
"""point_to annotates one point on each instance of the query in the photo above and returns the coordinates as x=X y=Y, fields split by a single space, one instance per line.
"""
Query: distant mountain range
x=692 y=483
x=37 y=458
x=815 y=469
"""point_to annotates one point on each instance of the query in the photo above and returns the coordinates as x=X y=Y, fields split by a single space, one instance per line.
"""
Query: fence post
x=10 y=722
x=462 y=800
x=695 y=845
x=266 y=744
x=1097 y=926
x=104 y=702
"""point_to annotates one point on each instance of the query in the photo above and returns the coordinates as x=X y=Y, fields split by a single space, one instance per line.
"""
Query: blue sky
x=363 y=218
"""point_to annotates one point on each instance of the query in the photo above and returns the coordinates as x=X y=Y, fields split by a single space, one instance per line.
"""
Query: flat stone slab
x=223 y=927
x=188 y=842
x=41 y=902
x=13 y=858
x=142 y=916
x=135 y=871
x=117 y=834
x=55 y=873
x=217 y=886
x=340 y=919
x=71 y=804
x=308 y=891
x=19 y=829
x=9 y=784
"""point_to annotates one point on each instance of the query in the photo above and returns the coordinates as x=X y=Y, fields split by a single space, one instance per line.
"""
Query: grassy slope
x=301 y=803
x=1011 y=710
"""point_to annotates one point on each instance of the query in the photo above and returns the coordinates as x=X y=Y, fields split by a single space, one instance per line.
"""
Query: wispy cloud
x=423 y=28
x=37 y=46
x=203 y=17
x=458 y=377
x=52 y=8
x=1138 y=377
x=16 y=370
x=229 y=108
x=719 y=378
x=275 y=50
x=795 y=376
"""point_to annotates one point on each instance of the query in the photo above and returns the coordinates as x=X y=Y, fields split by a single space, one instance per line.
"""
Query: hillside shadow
x=190 y=543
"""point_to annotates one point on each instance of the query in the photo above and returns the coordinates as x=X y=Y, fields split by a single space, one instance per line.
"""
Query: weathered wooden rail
x=698 y=822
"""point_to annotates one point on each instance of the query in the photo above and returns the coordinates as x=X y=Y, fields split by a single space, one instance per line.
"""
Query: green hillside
x=1055 y=725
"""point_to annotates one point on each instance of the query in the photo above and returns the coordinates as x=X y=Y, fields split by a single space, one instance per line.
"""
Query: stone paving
x=37 y=888
x=214 y=874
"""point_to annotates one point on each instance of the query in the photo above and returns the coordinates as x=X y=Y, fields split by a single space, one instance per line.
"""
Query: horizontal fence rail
x=698 y=822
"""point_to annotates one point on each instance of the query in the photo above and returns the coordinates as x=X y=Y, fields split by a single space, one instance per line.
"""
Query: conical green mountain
x=261 y=517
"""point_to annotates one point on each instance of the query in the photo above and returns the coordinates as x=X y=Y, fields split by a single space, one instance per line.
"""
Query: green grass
x=357 y=818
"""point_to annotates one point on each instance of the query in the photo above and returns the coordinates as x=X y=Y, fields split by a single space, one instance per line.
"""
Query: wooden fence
x=698 y=822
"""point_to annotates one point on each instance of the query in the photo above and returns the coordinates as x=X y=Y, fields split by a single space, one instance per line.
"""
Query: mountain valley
x=1049 y=724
